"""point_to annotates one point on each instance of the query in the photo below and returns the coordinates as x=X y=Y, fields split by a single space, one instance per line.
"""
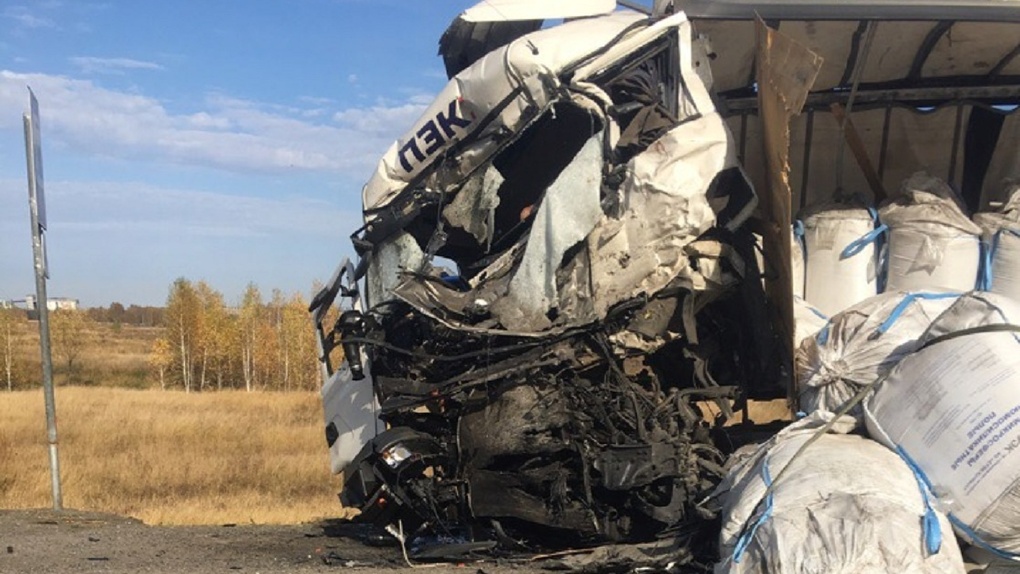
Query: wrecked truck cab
x=474 y=173
x=601 y=295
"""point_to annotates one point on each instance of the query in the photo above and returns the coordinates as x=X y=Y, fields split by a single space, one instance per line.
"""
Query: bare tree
x=8 y=324
x=71 y=331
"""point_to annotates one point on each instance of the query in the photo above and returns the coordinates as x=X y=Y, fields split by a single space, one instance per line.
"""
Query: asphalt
x=71 y=541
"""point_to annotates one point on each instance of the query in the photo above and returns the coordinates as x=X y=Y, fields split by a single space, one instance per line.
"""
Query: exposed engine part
x=514 y=439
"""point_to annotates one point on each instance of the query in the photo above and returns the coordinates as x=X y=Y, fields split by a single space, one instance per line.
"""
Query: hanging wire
x=869 y=35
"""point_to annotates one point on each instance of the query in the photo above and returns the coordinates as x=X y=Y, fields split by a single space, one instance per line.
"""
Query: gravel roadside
x=44 y=541
x=71 y=541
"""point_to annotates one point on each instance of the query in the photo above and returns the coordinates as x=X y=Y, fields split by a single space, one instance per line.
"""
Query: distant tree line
x=258 y=345
x=201 y=343
x=20 y=363
x=135 y=315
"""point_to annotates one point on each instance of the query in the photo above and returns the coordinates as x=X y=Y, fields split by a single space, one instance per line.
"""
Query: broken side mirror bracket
x=352 y=324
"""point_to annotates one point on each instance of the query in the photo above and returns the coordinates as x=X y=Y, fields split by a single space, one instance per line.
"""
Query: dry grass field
x=111 y=356
x=170 y=458
x=118 y=356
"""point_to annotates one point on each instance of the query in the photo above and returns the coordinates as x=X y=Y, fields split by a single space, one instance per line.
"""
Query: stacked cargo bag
x=952 y=410
x=1001 y=234
x=861 y=344
x=843 y=503
x=807 y=321
x=932 y=243
x=840 y=256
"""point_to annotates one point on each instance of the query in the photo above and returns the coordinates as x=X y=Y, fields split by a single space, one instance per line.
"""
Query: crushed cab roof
x=496 y=90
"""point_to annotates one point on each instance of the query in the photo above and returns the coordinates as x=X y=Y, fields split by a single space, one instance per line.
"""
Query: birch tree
x=297 y=327
x=182 y=323
x=260 y=345
x=161 y=359
x=71 y=331
x=219 y=341
x=282 y=361
x=250 y=320
x=9 y=319
x=212 y=338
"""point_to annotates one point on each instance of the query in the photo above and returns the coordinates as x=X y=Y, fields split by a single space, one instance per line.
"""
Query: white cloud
x=380 y=119
x=26 y=19
x=421 y=99
x=116 y=208
x=316 y=100
x=319 y=107
x=207 y=121
x=128 y=240
x=435 y=74
x=229 y=133
x=93 y=65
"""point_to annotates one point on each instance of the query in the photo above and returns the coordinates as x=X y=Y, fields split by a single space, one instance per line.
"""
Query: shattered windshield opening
x=494 y=208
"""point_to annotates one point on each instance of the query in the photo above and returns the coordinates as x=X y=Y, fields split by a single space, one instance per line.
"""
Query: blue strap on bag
x=747 y=536
x=988 y=257
x=901 y=307
x=931 y=528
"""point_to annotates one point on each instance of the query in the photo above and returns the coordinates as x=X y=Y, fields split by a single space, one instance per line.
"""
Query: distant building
x=54 y=303
x=63 y=303
x=5 y=304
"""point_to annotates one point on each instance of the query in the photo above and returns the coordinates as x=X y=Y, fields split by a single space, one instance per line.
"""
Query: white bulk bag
x=1002 y=262
x=932 y=244
x=1001 y=234
x=840 y=256
x=952 y=409
x=861 y=344
x=807 y=321
x=843 y=504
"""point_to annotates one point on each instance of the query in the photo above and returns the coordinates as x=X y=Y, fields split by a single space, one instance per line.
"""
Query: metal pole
x=36 y=202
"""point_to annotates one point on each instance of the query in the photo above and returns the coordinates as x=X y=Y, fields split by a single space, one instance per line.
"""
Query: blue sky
x=226 y=141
